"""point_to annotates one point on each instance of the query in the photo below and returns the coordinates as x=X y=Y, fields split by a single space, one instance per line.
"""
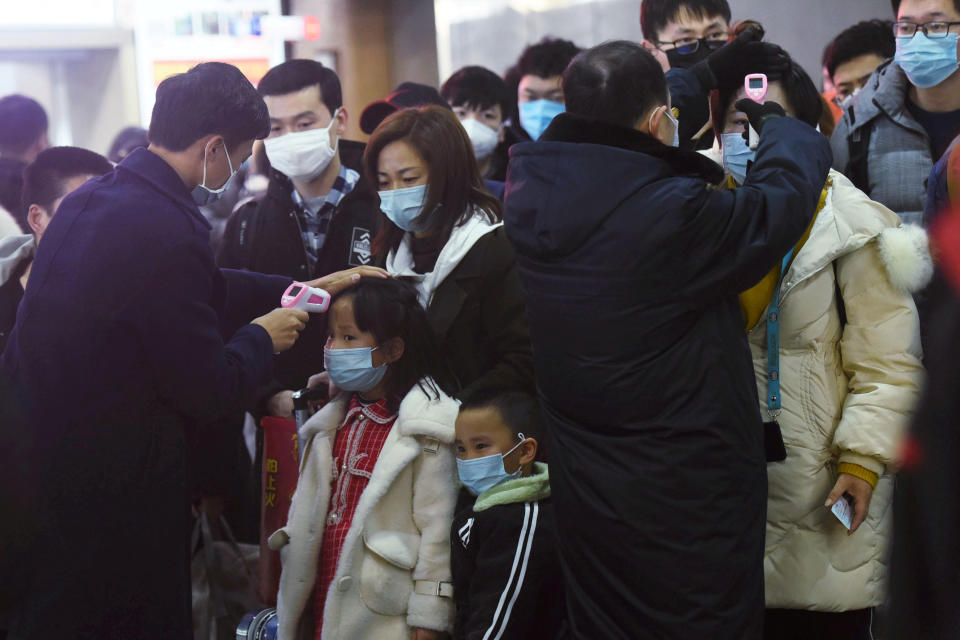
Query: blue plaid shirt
x=314 y=214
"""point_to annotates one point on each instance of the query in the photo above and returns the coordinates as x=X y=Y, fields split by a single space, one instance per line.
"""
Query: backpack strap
x=249 y=213
x=858 y=143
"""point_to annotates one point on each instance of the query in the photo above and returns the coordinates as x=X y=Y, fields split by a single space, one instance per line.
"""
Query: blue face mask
x=404 y=207
x=204 y=195
x=536 y=116
x=736 y=156
x=482 y=474
x=352 y=369
x=927 y=61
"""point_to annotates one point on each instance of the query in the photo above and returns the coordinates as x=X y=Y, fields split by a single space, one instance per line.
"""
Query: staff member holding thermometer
x=128 y=337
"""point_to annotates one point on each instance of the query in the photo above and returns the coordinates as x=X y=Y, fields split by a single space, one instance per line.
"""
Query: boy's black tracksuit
x=506 y=574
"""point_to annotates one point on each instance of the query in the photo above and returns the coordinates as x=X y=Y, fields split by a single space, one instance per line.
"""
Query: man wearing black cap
x=405 y=96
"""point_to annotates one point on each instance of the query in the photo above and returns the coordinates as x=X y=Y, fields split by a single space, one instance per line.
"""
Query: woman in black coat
x=443 y=230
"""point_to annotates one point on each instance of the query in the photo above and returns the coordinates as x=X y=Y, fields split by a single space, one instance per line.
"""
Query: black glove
x=759 y=114
x=726 y=67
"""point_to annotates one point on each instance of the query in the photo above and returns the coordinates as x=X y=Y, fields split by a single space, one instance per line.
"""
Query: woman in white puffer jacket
x=850 y=373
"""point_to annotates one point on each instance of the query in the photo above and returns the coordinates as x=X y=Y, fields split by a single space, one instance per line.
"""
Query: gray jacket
x=898 y=156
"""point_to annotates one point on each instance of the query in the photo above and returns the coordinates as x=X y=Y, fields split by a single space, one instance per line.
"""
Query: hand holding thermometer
x=755 y=86
x=305 y=298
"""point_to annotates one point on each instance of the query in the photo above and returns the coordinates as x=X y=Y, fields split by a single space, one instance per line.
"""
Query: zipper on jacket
x=306 y=256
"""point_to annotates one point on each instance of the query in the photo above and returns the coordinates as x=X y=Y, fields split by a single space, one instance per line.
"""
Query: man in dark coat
x=319 y=219
x=632 y=261
x=122 y=343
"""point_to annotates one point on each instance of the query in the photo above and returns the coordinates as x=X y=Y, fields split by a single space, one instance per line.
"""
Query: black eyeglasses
x=930 y=29
x=686 y=46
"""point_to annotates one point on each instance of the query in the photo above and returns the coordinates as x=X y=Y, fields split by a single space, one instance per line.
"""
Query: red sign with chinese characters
x=281 y=468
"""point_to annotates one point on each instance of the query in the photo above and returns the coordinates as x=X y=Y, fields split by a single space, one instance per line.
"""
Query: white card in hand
x=844 y=512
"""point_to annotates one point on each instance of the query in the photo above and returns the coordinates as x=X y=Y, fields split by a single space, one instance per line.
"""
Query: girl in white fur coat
x=366 y=547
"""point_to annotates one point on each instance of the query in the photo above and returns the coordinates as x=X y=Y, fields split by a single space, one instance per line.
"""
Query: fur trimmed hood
x=850 y=220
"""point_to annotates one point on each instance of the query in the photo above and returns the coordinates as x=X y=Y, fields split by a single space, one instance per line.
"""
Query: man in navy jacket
x=632 y=259
x=126 y=337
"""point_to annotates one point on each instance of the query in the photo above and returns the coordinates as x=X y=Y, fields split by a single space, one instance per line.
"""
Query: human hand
x=281 y=404
x=744 y=55
x=318 y=380
x=340 y=280
x=284 y=326
x=859 y=490
x=419 y=633
x=758 y=114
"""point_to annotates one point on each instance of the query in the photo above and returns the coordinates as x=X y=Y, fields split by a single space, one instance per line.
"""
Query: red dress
x=356 y=449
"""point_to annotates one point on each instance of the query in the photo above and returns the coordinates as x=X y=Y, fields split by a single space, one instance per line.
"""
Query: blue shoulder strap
x=773 y=343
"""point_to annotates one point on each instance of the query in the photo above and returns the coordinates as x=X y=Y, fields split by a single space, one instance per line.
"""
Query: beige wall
x=377 y=44
x=84 y=78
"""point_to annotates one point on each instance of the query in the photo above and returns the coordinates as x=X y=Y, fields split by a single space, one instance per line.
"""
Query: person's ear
x=392 y=350
x=38 y=219
x=343 y=118
x=528 y=451
x=652 y=122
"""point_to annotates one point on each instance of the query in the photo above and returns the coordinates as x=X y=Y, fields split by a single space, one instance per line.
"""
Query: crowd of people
x=613 y=348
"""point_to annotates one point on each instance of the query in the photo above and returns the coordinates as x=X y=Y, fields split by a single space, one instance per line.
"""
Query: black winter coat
x=117 y=353
x=478 y=315
x=632 y=263
x=506 y=579
x=264 y=236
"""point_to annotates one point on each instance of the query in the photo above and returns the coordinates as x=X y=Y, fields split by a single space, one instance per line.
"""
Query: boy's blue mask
x=536 y=116
x=352 y=369
x=482 y=474
x=927 y=61
x=737 y=156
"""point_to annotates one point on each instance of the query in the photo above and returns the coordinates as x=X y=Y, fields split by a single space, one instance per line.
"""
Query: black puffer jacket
x=632 y=263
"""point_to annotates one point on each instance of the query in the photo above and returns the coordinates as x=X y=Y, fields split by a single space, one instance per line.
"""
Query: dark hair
x=896 y=6
x=22 y=122
x=294 y=75
x=545 y=59
x=210 y=98
x=863 y=38
x=455 y=186
x=44 y=180
x=126 y=141
x=616 y=82
x=519 y=411
x=389 y=308
x=477 y=88
x=804 y=99
x=657 y=14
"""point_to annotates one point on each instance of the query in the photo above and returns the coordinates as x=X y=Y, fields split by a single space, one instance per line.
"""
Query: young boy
x=506 y=575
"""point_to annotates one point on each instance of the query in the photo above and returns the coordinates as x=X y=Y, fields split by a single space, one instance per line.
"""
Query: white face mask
x=484 y=138
x=302 y=155
x=676 y=126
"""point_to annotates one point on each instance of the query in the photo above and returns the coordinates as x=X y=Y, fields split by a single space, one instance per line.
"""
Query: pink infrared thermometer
x=755 y=87
x=305 y=298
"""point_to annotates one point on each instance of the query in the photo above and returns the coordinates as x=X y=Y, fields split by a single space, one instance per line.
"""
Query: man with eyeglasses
x=681 y=33
x=907 y=114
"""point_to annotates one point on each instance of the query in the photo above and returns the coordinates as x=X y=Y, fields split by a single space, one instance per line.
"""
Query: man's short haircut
x=545 y=59
x=896 y=6
x=863 y=38
x=801 y=93
x=616 y=82
x=476 y=88
x=657 y=14
x=22 y=122
x=519 y=411
x=44 y=180
x=210 y=98
x=295 y=75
